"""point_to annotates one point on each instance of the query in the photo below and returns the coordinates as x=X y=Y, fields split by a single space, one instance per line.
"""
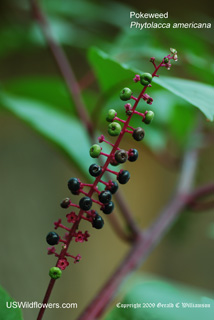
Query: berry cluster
x=117 y=127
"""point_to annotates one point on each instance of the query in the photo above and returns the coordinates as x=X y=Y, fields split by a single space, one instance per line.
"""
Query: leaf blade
x=7 y=312
x=64 y=131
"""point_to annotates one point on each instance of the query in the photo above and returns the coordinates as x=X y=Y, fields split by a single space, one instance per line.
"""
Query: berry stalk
x=117 y=156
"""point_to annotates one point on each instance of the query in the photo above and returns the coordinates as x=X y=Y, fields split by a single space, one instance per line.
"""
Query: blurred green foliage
x=161 y=300
x=7 y=312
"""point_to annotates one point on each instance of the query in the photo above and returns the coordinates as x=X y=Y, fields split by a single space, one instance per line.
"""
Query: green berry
x=125 y=94
x=149 y=117
x=95 y=151
x=55 y=272
x=111 y=114
x=114 y=129
x=166 y=60
x=146 y=79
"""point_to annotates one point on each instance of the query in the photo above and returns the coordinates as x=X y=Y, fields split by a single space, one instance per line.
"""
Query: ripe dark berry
x=138 y=134
x=108 y=208
x=105 y=196
x=113 y=187
x=125 y=94
x=65 y=203
x=85 y=203
x=123 y=176
x=133 y=155
x=98 y=222
x=95 y=170
x=74 y=185
x=121 y=156
x=52 y=238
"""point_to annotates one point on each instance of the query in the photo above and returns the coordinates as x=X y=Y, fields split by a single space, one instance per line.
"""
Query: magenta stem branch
x=46 y=298
x=104 y=169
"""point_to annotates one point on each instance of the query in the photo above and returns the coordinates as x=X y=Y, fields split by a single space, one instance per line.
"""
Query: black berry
x=74 y=185
x=108 y=208
x=105 y=196
x=65 y=203
x=123 y=176
x=98 y=222
x=95 y=170
x=121 y=156
x=133 y=155
x=113 y=187
x=52 y=238
x=138 y=134
x=85 y=203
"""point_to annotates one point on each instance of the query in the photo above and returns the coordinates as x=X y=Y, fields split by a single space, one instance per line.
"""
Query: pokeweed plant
x=99 y=193
x=94 y=195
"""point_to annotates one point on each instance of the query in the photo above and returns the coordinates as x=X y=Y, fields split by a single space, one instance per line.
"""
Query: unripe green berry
x=146 y=79
x=166 y=60
x=114 y=129
x=55 y=272
x=125 y=94
x=95 y=151
x=149 y=117
x=111 y=114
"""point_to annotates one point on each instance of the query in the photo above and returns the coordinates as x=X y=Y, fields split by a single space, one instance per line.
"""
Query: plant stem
x=63 y=65
x=46 y=298
x=202 y=192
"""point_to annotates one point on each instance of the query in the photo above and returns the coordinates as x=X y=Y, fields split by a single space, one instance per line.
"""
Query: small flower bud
x=173 y=51
x=136 y=78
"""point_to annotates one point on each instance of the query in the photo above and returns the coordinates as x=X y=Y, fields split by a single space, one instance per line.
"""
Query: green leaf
x=178 y=301
x=199 y=94
x=48 y=90
x=110 y=73
x=6 y=310
x=65 y=131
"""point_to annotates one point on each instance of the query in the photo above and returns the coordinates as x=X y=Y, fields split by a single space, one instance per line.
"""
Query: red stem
x=46 y=298
x=64 y=66
x=105 y=167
